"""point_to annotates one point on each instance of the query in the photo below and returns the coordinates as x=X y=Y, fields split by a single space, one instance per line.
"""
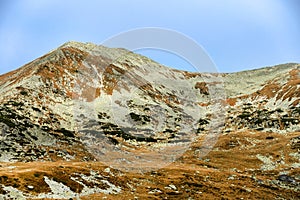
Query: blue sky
x=237 y=34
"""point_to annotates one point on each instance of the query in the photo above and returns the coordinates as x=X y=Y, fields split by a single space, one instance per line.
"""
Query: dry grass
x=233 y=156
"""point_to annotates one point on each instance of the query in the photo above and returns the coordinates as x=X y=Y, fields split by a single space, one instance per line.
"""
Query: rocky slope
x=84 y=121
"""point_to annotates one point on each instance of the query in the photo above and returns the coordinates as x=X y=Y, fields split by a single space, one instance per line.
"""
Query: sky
x=236 y=34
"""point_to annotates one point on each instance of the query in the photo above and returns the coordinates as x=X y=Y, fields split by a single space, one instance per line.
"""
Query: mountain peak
x=78 y=44
x=94 y=49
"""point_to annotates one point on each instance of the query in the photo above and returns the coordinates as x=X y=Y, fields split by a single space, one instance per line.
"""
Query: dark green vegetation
x=264 y=118
x=22 y=139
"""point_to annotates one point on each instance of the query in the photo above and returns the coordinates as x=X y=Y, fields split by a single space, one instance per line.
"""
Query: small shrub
x=23 y=92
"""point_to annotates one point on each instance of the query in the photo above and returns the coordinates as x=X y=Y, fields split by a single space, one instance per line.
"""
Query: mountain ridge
x=88 y=104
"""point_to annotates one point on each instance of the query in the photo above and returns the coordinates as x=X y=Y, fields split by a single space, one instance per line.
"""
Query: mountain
x=90 y=121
